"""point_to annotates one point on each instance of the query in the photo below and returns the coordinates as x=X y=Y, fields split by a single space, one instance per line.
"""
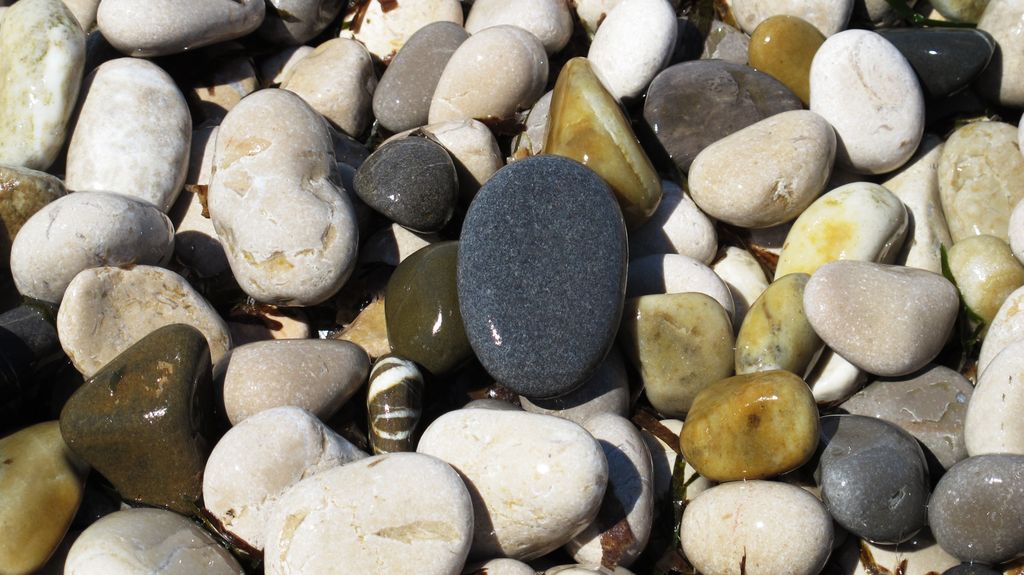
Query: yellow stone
x=751 y=426
x=775 y=333
x=586 y=124
x=986 y=273
x=783 y=47
x=41 y=484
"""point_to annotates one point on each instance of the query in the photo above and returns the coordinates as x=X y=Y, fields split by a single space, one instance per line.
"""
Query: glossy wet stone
x=986 y=273
x=394 y=404
x=544 y=329
x=775 y=333
x=873 y=478
x=783 y=47
x=23 y=192
x=946 y=60
x=751 y=427
x=142 y=421
x=424 y=320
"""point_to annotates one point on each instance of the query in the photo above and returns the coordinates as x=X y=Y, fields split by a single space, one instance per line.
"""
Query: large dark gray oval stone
x=542 y=274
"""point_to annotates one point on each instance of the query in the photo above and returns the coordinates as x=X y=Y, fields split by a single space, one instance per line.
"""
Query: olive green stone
x=775 y=333
x=421 y=308
x=142 y=420
x=680 y=343
x=986 y=272
x=783 y=47
x=23 y=192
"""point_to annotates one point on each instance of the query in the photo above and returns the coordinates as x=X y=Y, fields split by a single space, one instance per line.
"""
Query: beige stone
x=745 y=278
x=607 y=391
x=776 y=333
x=986 y=272
x=675 y=273
x=828 y=16
x=23 y=192
x=677 y=226
x=228 y=77
x=384 y=27
x=549 y=20
x=993 y=423
x=921 y=555
x=1003 y=80
x=149 y=28
x=917 y=186
x=1006 y=328
x=275 y=69
x=834 y=379
x=337 y=80
x=633 y=44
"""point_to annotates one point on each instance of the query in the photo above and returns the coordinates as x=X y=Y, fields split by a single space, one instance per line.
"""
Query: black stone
x=946 y=60
x=542 y=274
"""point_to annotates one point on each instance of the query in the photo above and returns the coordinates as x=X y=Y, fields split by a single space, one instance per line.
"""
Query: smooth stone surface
x=1003 y=79
x=788 y=160
x=474 y=150
x=491 y=76
x=1006 y=328
x=196 y=245
x=225 y=80
x=694 y=104
x=1016 y=226
x=499 y=567
x=766 y=527
x=981 y=179
x=402 y=98
x=993 y=423
x=663 y=443
x=147 y=28
x=946 y=60
x=297 y=21
x=337 y=80
x=878 y=116
x=833 y=379
x=275 y=68
x=751 y=426
x=593 y=12
x=106 y=310
x=316 y=375
x=543 y=330
x=674 y=273
x=537 y=481
x=393 y=245
x=587 y=125
x=632 y=45
x=783 y=47
x=394 y=404
x=549 y=20
x=776 y=333
x=828 y=16
x=23 y=192
x=288 y=229
x=259 y=459
x=147 y=541
x=723 y=42
x=916 y=184
x=248 y=324
x=607 y=391
x=143 y=421
x=42 y=57
x=680 y=343
x=873 y=478
x=43 y=483
x=960 y=10
x=931 y=405
x=986 y=273
x=744 y=277
x=976 y=508
x=971 y=569
x=385 y=28
x=677 y=226
x=919 y=555
x=85 y=230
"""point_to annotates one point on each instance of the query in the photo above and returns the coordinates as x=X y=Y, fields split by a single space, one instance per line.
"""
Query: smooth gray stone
x=946 y=60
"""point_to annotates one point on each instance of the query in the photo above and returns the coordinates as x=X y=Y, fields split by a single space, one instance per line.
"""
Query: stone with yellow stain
x=681 y=343
x=587 y=125
x=776 y=333
x=986 y=272
x=783 y=47
x=751 y=426
x=42 y=484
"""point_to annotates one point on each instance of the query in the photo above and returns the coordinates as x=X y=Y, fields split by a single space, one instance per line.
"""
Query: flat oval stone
x=873 y=478
x=385 y=28
x=293 y=22
x=549 y=20
x=42 y=57
x=878 y=116
x=1006 y=328
x=916 y=184
x=632 y=45
x=23 y=192
x=337 y=80
x=85 y=230
x=886 y=320
x=43 y=484
x=538 y=481
x=402 y=98
x=986 y=273
x=259 y=459
x=146 y=541
x=751 y=427
x=765 y=526
x=680 y=343
x=976 y=509
x=776 y=333
x=783 y=47
x=981 y=179
x=675 y=273
x=607 y=391
x=394 y=404
x=946 y=60
x=790 y=156
x=694 y=104
x=147 y=28
x=828 y=16
x=677 y=226
x=1002 y=81
x=543 y=330
x=993 y=423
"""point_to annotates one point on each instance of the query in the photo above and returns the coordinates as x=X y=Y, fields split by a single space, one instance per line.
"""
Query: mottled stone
x=993 y=423
x=986 y=273
x=337 y=80
x=23 y=192
x=1003 y=79
x=783 y=47
x=384 y=28
x=946 y=60
x=916 y=184
x=674 y=273
x=394 y=404
x=828 y=16
x=607 y=391
x=776 y=333
x=1006 y=328
x=632 y=45
x=549 y=20
x=677 y=226
x=744 y=277
x=147 y=28
x=296 y=21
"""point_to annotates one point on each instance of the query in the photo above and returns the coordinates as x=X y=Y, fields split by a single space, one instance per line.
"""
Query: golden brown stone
x=986 y=272
x=783 y=47
x=775 y=333
x=23 y=192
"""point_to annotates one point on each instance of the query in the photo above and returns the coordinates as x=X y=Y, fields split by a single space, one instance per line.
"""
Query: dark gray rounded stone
x=401 y=100
x=946 y=60
x=873 y=478
x=542 y=274
x=977 y=510
x=694 y=104
x=412 y=182
x=971 y=569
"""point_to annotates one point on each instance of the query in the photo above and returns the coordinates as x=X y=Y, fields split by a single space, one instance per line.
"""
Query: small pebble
x=916 y=184
x=675 y=273
x=783 y=47
x=775 y=333
x=549 y=20
x=744 y=277
x=960 y=10
x=828 y=16
x=1006 y=328
x=946 y=59
x=23 y=192
x=394 y=405
x=919 y=555
x=632 y=45
x=993 y=423
x=677 y=226
x=337 y=80
x=384 y=28
x=986 y=272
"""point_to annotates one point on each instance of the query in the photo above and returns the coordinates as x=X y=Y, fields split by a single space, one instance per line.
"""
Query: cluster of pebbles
x=510 y=287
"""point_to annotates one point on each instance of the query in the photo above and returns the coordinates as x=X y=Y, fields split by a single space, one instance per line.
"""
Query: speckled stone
x=23 y=192
x=143 y=420
x=394 y=404
x=986 y=273
x=147 y=28
x=607 y=391
x=993 y=423
x=976 y=509
x=873 y=478
x=783 y=47
x=694 y=104
x=297 y=21
x=544 y=329
x=946 y=60
x=776 y=333
x=916 y=184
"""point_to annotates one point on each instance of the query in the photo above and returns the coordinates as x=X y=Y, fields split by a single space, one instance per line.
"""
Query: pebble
x=783 y=47
x=544 y=330
x=663 y=444
x=316 y=375
x=337 y=80
x=259 y=459
x=385 y=28
x=42 y=58
x=960 y=10
x=471 y=87
x=148 y=541
x=549 y=20
x=751 y=426
x=993 y=423
x=776 y=333
x=744 y=277
x=23 y=192
x=632 y=45
x=592 y=13
x=1003 y=81
x=986 y=272
x=474 y=150
x=916 y=184
x=394 y=404
x=758 y=528
x=43 y=484
x=1016 y=231
x=85 y=12
x=833 y=379
x=828 y=16
x=723 y=42
x=86 y=230
x=677 y=226
x=607 y=391
x=580 y=570
x=106 y=310
x=538 y=481
x=946 y=60
x=401 y=100
x=196 y=245
x=919 y=555
x=147 y=28
x=976 y=508
x=275 y=68
x=369 y=330
x=867 y=90
x=1006 y=328
x=887 y=320
x=292 y=22
x=393 y=245
x=981 y=179
x=288 y=230
x=227 y=78
x=144 y=419
x=788 y=159
x=675 y=273
x=873 y=478
x=681 y=343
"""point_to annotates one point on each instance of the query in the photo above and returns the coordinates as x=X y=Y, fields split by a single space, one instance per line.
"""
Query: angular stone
x=946 y=60
x=607 y=391
x=394 y=404
x=828 y=16
x=385 y=28
x=783 y=47
x=633 y=44
x=293 y=22
x=337 y=80
x=986 y=273
x=23 y=192
x=776 y=333
x=993 y=423
x=916 y=184
x=146 y=28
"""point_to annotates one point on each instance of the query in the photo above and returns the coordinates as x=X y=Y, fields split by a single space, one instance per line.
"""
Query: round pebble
x=783 y=47
x=549 y=20
x=775 y=333
x=337 y=80
x=677 y=226
x=675 y=273
x=1006 y=328
x=632 y=45
x=986 y=272
x=394 y=405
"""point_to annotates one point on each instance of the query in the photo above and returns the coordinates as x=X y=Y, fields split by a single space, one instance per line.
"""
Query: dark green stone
x=946 y=60
x=142 y=420
x=421 y=308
